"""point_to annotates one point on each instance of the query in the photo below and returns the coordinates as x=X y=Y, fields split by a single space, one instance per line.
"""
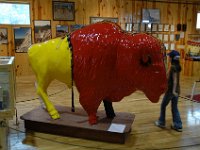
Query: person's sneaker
x=176 y=129
x=159 y=125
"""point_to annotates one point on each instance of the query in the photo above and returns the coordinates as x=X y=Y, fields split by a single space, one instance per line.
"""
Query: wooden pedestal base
x=75 y=124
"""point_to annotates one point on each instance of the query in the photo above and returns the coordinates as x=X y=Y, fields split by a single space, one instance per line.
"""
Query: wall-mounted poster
x=3 y=36
x=22 y=38
x=62 y=30
x=154 y=27
x=172 y=28
x=150 y=16
x=160 y=37
x=165 y=38
x=172 y=37
x=148 y=27
x=166 y=27
x=160 y=27
x=99 y=19
x=136 y=27
x=142 y=27
x=63 y=11
x=42 y=30
x=128 y=27
x=172 y=46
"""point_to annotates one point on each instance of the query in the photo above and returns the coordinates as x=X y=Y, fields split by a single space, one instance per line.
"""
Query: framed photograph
x=22 y=39
x=166 y=27
x=128 y=27
x=172 y=28
x=99 y=19
x=172 y=37
x=166 y=37
x=150 y=16
x=172 y=46
x=42 y=30
x=63 y=11
x=160 y=37
x=75 y=27
x=3 y=36
x=154 y=27
x=136 y=27
x=148 y=27
x=160 y=27
x=166 y=46
x=62 y=30
x=142 y=27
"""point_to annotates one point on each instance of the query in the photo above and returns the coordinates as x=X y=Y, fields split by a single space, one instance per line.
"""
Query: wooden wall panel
x=126 y=10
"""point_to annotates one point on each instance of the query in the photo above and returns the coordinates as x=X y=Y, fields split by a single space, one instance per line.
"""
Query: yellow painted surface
x=51 y=60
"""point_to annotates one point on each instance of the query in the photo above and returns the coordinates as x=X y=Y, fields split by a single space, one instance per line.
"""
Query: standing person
x=172 y=93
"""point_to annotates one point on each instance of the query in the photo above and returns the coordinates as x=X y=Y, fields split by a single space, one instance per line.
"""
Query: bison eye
x=146 y=60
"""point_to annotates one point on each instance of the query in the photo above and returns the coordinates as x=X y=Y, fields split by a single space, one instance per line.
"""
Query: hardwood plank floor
x=144 y=134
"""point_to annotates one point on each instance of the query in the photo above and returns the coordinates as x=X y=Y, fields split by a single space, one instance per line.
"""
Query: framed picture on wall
x=3 y=36
x=22 y=39
x=150 y=16
x=142 y=27
x=154 y=27
x=166 y=27
x=148 y=27
x=62 y=30
x=99 y=19
x=136 y=27
x=42 y=30
x=160 y=27
x=63 y=11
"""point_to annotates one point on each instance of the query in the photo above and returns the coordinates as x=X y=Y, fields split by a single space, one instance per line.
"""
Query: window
x=198 y=21
x=15 y=13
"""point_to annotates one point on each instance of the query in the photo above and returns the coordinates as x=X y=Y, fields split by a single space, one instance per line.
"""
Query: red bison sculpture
x=108 y=64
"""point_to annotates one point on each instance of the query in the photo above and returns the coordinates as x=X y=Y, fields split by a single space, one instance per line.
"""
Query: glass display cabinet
x=7 y=87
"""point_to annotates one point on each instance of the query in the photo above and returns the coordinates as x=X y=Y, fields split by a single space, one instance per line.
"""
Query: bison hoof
x=93 y=119
x=54 y=114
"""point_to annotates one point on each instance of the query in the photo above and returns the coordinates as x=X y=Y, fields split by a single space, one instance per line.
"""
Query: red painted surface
x=107 y=65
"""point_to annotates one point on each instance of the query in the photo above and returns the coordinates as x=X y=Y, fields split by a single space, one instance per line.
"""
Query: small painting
x=42 y=30
x=3 y=36
x=63 y=11
x=22 y=38
x=99 y=19
x=150 y=16
x=62 y=30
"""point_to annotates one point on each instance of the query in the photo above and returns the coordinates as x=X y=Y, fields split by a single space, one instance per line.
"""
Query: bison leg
x=42 y=92
x=109 y=109
x=90 y=105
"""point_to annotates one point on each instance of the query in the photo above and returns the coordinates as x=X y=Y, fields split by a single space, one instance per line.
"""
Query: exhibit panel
x=7 y=97
x=7 y=87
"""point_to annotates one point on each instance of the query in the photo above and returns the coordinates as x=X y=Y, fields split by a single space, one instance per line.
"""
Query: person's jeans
x=174 y=108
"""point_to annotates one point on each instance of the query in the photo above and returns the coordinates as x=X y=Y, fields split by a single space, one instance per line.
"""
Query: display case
x=7 y=87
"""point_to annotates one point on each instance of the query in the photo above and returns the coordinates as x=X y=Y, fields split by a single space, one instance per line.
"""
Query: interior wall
x=125 y=10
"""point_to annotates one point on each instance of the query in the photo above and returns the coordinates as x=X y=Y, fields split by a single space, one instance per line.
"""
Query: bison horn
x=146 y=60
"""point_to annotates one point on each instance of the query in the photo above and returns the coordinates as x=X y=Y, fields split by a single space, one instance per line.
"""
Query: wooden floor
x=144 y=134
